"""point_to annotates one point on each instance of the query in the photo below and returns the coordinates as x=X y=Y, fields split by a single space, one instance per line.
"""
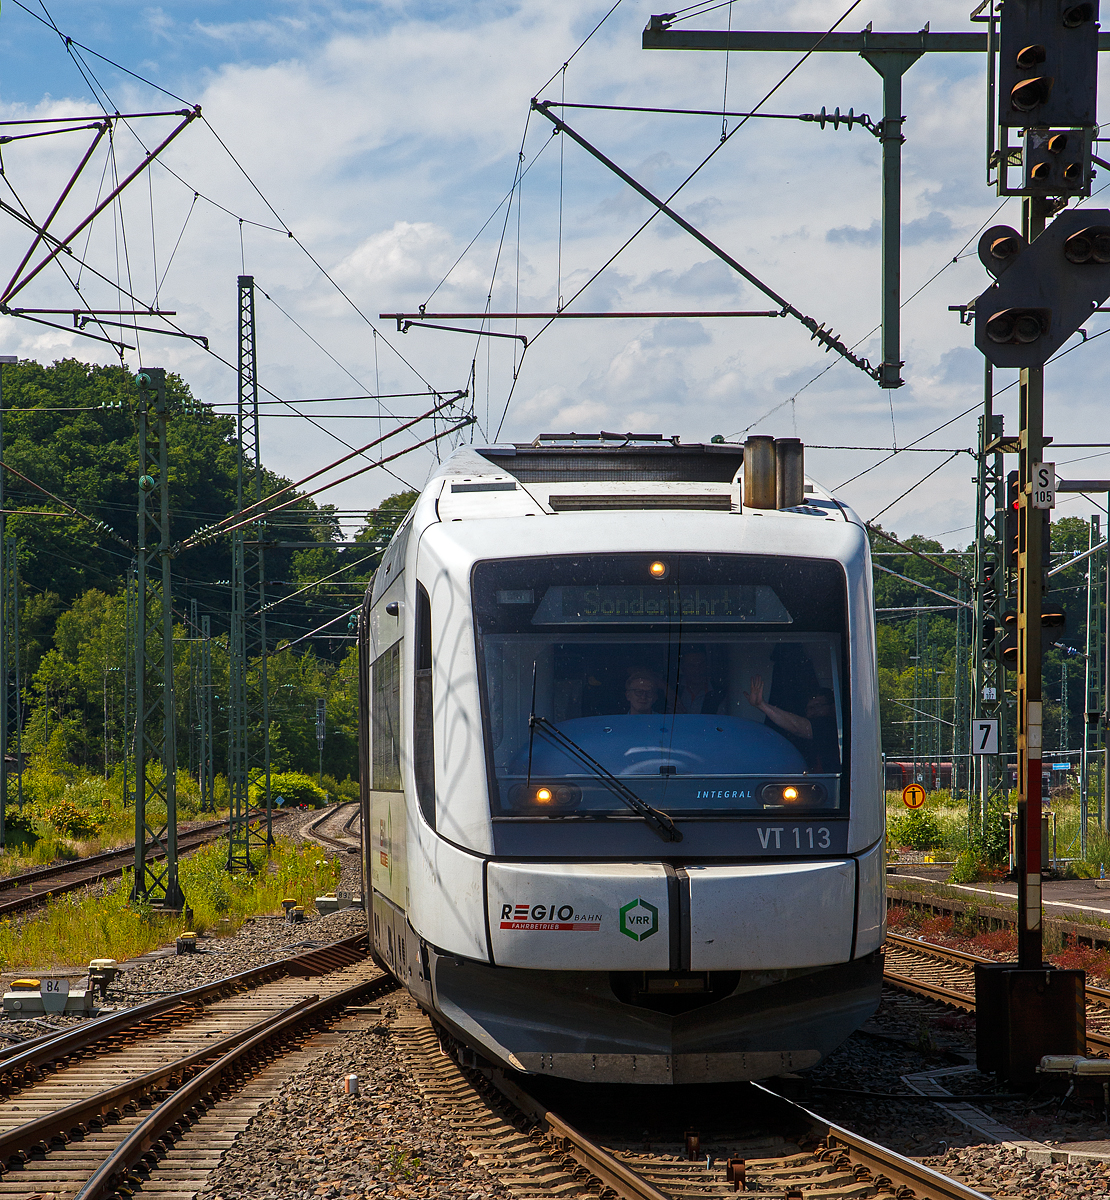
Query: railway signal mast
x=1049 y=277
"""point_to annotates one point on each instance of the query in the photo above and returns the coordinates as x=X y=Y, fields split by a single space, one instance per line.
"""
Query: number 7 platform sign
x=984 y=736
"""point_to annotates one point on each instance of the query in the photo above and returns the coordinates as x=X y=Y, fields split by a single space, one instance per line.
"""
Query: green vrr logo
x=639 y=920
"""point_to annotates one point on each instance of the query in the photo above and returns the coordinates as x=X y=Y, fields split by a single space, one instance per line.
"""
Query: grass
x=69 y=815
x=954 y=842
x=78 y=926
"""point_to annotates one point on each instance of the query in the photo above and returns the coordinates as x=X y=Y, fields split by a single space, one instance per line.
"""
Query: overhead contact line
x=258 y=512
x=217 y=526
x=99 y=526
x=818 y=332
x=872 y=528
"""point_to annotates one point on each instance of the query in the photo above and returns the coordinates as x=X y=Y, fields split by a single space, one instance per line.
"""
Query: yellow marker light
x=790 y=793
x=543 y=796
x=658 y=569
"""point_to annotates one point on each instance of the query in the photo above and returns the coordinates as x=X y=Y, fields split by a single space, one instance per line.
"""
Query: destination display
x=630 y=603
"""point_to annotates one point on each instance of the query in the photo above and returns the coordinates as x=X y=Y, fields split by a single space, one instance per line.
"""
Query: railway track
x=538 y=1153
x=31 y=888
x=151 y=1095
x=948 y=976
x=348 y=841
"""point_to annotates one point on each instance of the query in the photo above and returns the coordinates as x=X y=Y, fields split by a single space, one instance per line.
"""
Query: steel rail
x=191 y=839
x=40 y=873
x=931 y=991
x=887 y=1169
x=76 y=1118
x=962 y=1000
x=945 y=953
x=839 y=1151
x=335 y=843
x=29 y=1058
x=158 y=1129
x=626 y=1183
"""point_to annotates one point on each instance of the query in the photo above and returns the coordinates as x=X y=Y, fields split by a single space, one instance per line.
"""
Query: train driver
x=815 y=734
x=641 y=690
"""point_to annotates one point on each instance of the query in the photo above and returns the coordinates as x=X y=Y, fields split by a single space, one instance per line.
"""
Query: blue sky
x=385 y=134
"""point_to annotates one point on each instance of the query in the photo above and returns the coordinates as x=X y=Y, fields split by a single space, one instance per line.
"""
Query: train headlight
x=776 y=795
x=558 y=797
x=658 y=570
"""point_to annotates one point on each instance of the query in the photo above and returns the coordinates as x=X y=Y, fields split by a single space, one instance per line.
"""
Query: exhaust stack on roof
x=790 y=472
x=759 y=472
x=774 y=472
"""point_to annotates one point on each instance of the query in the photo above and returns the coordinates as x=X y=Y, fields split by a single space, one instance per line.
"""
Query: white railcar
x=623 y=811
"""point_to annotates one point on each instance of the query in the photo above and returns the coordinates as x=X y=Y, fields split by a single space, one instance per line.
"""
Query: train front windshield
x=704 y=684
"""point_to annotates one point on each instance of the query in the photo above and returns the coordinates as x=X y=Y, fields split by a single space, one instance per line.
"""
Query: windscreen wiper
x=659 y=821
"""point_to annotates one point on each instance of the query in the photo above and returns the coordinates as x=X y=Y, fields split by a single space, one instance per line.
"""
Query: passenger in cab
x=641 y=690
x=815 y=734
x=695 y=693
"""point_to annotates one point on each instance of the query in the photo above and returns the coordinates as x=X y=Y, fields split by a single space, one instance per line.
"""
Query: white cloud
x=386 y=134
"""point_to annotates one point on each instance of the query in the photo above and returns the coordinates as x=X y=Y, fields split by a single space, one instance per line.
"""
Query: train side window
x=385 y=720
x=423 y=753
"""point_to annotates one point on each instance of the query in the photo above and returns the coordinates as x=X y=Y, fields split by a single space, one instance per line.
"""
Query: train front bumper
x=573 y=1024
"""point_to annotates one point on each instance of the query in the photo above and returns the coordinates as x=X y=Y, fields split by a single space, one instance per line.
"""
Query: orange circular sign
x=913 y=795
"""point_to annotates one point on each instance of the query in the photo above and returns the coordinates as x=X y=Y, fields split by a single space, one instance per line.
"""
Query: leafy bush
x=20 y=821
x=916 y=828
x=41 y=785
x=345 y=791
x=968 y=869
x=994 y=845
x=294 y=788
x=69 y=818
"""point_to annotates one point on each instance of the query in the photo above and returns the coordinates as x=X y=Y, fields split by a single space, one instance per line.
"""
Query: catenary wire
x=96 y=88
x=723 y=142
x=938 y=467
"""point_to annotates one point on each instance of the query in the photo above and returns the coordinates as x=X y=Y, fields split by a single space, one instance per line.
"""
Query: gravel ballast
x=315 y=1140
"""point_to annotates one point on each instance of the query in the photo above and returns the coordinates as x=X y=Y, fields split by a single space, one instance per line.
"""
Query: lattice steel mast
x=7 y=619
x=989 y=700
x=155 y=733
x=250 y=824
x=206 y=767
